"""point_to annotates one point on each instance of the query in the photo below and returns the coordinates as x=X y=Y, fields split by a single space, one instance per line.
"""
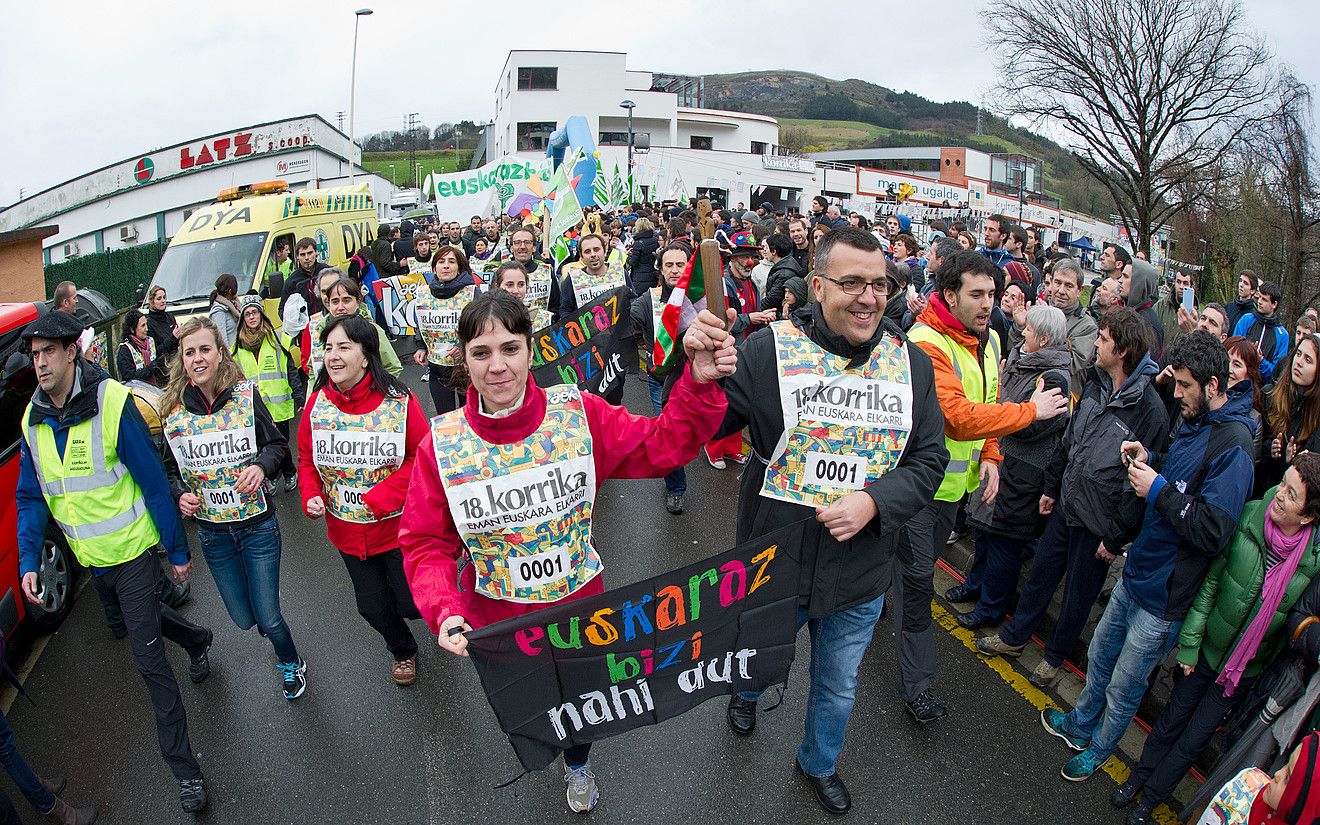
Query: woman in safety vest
x=223 y=445
x=347 y=300
x=451 y=289
x=136 y=358
x=356 y=442
x=466 y=574
x=258 y=351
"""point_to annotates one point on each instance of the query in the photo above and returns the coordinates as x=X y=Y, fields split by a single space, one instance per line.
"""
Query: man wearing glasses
x=846 y=427
x=542 y=288
x=953 y=330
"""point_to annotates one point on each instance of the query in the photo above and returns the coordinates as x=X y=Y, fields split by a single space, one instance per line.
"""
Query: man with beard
x=1194 y=495
x=954 y=330
x=798 y=234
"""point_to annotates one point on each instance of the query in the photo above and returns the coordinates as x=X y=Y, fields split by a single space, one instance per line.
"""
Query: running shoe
x=294 y=677
x=582 y=794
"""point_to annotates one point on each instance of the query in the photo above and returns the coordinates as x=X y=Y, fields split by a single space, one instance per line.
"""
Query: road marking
x=9 y=693
x=1116 y=768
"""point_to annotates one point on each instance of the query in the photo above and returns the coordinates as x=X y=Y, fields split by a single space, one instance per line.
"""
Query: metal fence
x=116 y=274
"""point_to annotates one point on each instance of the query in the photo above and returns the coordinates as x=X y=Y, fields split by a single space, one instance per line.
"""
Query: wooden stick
x=713 y=270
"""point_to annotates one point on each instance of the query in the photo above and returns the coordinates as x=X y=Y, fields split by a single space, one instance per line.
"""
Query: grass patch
x=837 y=134
x=441 y=161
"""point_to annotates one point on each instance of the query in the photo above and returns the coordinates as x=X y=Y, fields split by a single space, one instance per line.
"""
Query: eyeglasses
x=856 y=286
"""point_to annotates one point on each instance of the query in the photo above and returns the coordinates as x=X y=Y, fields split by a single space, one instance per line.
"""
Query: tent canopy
x=1083 y=243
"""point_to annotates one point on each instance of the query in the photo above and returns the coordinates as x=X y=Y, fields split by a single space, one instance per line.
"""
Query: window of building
x=538 y=78
x=621 y=138
x=760 y=147
x=532 y=136
x=700 y=142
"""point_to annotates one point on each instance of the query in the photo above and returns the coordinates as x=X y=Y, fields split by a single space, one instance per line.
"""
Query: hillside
x=853 y=114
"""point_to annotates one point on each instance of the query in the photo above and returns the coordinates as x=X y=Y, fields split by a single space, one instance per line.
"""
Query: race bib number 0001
x=219 y=498
x=829 y=470
x=539 y=569
x=350 y=498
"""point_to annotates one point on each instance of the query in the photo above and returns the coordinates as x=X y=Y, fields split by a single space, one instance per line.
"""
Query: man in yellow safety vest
x=87 y=461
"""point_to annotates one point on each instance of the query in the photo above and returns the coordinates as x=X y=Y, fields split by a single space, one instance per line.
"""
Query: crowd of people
x=1056 y=418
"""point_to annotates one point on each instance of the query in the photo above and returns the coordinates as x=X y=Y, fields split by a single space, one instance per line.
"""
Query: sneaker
x=1081 y=766
x=738 y=458
x=426 y=377
x=294 y=676
x=192 y=794
x=994 y=646
x=927 y=707
x=269 y=487
x=1045 y=675
x=717 y=463
x=199 y=666
x=674 y=504
x=404 y=671
x=953 y=537
x=1055 y=723
x=582 y=794
x=291 y=484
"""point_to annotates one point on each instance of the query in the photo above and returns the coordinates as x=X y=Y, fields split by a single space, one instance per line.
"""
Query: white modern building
x=148 y=197
x=729 y=156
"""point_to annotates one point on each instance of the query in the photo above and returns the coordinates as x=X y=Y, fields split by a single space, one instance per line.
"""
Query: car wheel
x=55 y=577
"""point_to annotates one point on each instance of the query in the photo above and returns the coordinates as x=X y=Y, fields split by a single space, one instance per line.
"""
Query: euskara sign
x=486 y=190
x=587 y=348
x=634 y=656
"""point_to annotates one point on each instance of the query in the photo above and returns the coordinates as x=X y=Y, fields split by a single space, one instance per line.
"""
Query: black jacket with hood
x=835 y=575
x=783 y=269
x=1087 y=477
x=1141 y=298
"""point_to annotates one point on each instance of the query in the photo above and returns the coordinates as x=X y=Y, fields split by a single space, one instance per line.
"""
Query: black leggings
x=286 y=466
x=443 y=395
x=576 y=756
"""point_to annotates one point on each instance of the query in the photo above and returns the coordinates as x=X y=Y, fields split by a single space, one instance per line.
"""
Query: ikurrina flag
x=587 y=669
x=687 y=299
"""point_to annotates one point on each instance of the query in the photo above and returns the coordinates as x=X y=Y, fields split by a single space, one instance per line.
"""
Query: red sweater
x=623 y=445
x=362 y=540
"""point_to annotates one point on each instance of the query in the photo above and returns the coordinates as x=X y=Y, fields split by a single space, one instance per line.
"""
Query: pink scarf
x=1291 y=548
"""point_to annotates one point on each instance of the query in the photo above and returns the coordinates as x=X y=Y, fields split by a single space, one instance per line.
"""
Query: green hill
x=855 y=114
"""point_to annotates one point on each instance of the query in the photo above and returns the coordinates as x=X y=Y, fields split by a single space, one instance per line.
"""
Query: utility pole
x=340 y=118
x=412 y=147
x=980 y=128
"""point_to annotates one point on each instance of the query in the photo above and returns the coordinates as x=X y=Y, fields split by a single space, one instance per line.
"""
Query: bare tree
x=1149 y=94
x=1290 y=175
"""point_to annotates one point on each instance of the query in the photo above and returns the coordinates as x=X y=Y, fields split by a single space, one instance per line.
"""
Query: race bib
x=528 y=496
x=220 y=498
x=540 y=569
x=839 y=471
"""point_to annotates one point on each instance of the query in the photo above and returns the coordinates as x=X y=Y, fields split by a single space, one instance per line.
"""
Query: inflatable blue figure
x=575 y=133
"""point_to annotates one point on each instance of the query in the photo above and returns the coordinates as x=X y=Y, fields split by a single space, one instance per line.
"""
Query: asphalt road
x=357 y=748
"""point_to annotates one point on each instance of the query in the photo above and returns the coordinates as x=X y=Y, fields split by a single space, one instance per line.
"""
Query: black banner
x=638 y=655
x=588 y=349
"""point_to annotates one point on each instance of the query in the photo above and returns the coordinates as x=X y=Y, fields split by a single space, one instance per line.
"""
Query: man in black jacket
x=1093 y=512
x=1248 y=283
x=806 y=386
x=778 y=250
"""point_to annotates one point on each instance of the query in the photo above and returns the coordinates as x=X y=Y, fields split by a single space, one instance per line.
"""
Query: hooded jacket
x=835 y=575
x=160 y=326
x=782 y=269
x=1015 y=512
x=272 y=448
x=1141 y=298
x=1236 y=309
x=1270 y=337
x=1086 y=476
x=641 y=261
x=136 y=453
x=1229 y=598
x=1192 y=508
x=963 y=419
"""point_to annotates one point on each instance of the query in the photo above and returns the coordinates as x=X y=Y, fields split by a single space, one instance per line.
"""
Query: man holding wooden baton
x=846 y=427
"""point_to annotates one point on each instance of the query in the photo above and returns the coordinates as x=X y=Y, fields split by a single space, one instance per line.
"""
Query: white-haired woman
x=1010 y=520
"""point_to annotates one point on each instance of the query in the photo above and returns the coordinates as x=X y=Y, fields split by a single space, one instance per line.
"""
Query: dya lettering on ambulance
x=673 y=606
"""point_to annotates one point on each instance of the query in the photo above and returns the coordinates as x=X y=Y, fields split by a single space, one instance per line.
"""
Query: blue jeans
x=245 y=562
x=995 y=571
x=19 y=771
x=838 y=643
x=675 y=482
x=1127 y=645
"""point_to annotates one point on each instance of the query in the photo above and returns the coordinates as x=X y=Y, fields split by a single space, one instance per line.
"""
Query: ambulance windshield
x=188 y=271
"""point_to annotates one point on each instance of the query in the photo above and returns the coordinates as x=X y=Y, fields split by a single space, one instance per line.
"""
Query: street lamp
x=629 y=105
x=352 y=85
x=394 y=180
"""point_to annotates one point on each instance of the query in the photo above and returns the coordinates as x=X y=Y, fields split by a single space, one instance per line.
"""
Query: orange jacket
x=965 y=420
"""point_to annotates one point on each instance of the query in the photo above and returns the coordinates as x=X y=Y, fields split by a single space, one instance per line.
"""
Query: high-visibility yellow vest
x=269 y=369
x=91 y=495
x=981 y=386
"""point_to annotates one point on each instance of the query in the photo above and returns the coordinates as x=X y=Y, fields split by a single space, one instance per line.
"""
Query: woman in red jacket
x=356 y=443
x=484 y=536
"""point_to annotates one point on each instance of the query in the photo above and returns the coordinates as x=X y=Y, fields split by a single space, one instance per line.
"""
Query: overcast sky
x=85 y=84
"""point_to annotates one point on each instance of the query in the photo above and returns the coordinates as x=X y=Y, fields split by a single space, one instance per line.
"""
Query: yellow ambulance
x=239 y=232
